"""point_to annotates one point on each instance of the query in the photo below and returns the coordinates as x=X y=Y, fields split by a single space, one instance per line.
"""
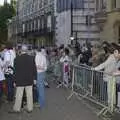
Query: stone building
x=108 y=19
x=35 y=22
x=48 y=22
x=76 y=18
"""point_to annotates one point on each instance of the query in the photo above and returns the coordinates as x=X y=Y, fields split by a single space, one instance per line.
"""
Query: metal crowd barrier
x=91 y=85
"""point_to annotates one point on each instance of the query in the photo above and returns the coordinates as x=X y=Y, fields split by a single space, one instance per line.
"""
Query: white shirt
x=41 y=62
x=109 y=66
x=9 y=57
x=2 y=77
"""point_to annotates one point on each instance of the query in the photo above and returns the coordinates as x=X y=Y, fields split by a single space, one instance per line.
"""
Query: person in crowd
x=117 y=76
x=65 y=59
x=109 y=66
x=85 y=55
x=9 y=56
x=2 y=77
x=41 y=65
x=43 y=50
x=100 y=53
x=25 y=74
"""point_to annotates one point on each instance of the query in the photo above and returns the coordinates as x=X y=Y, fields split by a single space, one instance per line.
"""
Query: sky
x=2 y=1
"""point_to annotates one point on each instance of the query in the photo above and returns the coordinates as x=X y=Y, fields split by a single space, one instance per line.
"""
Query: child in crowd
x=65 y=59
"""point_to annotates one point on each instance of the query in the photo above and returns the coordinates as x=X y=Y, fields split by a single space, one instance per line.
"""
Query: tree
x=7 y=11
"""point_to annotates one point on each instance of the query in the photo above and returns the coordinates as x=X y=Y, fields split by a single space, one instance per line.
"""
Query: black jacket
x=25 y=70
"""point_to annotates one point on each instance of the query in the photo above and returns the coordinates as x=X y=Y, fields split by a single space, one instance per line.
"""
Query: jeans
x=40 y=87
x=35 y=94
x=1 y=89
x=10 y=88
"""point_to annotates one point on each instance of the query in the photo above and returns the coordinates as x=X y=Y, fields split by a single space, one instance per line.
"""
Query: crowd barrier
x=92 y=85
x=89 y=84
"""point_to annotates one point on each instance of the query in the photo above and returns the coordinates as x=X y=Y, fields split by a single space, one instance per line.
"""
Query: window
x=64 y=5
x=38 y=23
x=88 y=20
x=113 y=4
x=103 y=4
x=78 y=4
x=119 y=34
x=97 y=5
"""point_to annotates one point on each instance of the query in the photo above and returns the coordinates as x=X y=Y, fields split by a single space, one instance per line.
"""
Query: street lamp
x=71 y=10
x=72 y=40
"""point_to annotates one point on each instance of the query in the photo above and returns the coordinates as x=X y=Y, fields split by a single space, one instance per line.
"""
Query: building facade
x=76 y=18
x=108 y=19
x=48 y=22
x=35 y=22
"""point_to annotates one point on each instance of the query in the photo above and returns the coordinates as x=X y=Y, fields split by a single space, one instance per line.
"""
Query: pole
x=88 y=39
x=71 y=8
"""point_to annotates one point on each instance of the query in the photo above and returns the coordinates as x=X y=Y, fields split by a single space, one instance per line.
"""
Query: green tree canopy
x=7 y=11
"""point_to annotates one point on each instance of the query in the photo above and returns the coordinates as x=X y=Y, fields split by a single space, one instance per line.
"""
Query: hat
x=24 y=48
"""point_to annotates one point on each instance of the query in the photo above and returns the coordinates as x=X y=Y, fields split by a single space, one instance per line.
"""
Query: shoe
x=29 y=111
x=14 y=112
x=36 y=105
x=47 y=86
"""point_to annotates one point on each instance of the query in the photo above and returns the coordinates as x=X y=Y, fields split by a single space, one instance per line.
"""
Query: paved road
x=57 y=108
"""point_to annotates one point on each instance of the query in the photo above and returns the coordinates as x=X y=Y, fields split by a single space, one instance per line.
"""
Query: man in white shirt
x=41 y=65
x=9 y=57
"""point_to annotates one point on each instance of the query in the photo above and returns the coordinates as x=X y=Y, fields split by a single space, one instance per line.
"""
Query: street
x=57 y=108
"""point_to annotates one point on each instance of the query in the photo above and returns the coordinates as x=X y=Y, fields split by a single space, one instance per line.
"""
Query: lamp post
x=71 y=12
x=71 y=17
x=72 y=40
x=88 y=39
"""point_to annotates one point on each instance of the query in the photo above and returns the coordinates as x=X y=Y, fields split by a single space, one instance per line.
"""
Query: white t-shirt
x=9 y=57
x=41 y=62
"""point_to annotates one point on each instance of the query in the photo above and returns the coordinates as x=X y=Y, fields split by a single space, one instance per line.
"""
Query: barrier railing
x=92 y=85
x=89 y=84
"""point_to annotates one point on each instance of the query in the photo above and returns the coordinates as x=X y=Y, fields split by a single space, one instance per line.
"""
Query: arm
x=62 y=59
x=103 y=65
x=45 y=64
x=1 y=63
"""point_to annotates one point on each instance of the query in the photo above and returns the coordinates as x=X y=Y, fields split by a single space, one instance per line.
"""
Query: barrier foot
x=81 y=97
x=103 y=111
x=62 y=84
x=59 y=85
x=69 y=97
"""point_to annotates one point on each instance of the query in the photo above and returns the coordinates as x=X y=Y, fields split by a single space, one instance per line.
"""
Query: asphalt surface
x=57 y=108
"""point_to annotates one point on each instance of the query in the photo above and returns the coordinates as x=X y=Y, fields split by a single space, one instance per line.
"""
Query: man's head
x=24 y=49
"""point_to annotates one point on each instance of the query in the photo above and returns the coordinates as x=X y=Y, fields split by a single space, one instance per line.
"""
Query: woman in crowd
x=109 y=67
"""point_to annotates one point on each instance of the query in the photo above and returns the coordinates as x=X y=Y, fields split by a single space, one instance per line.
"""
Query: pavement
x=57 y=108
x=116 y=116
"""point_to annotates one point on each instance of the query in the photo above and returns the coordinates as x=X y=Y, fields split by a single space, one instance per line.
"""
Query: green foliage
x=7 y=11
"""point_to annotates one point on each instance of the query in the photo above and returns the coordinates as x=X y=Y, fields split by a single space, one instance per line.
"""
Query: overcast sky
x=2 y=1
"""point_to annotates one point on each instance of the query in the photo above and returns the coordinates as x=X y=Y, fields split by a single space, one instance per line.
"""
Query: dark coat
x=25 y=70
